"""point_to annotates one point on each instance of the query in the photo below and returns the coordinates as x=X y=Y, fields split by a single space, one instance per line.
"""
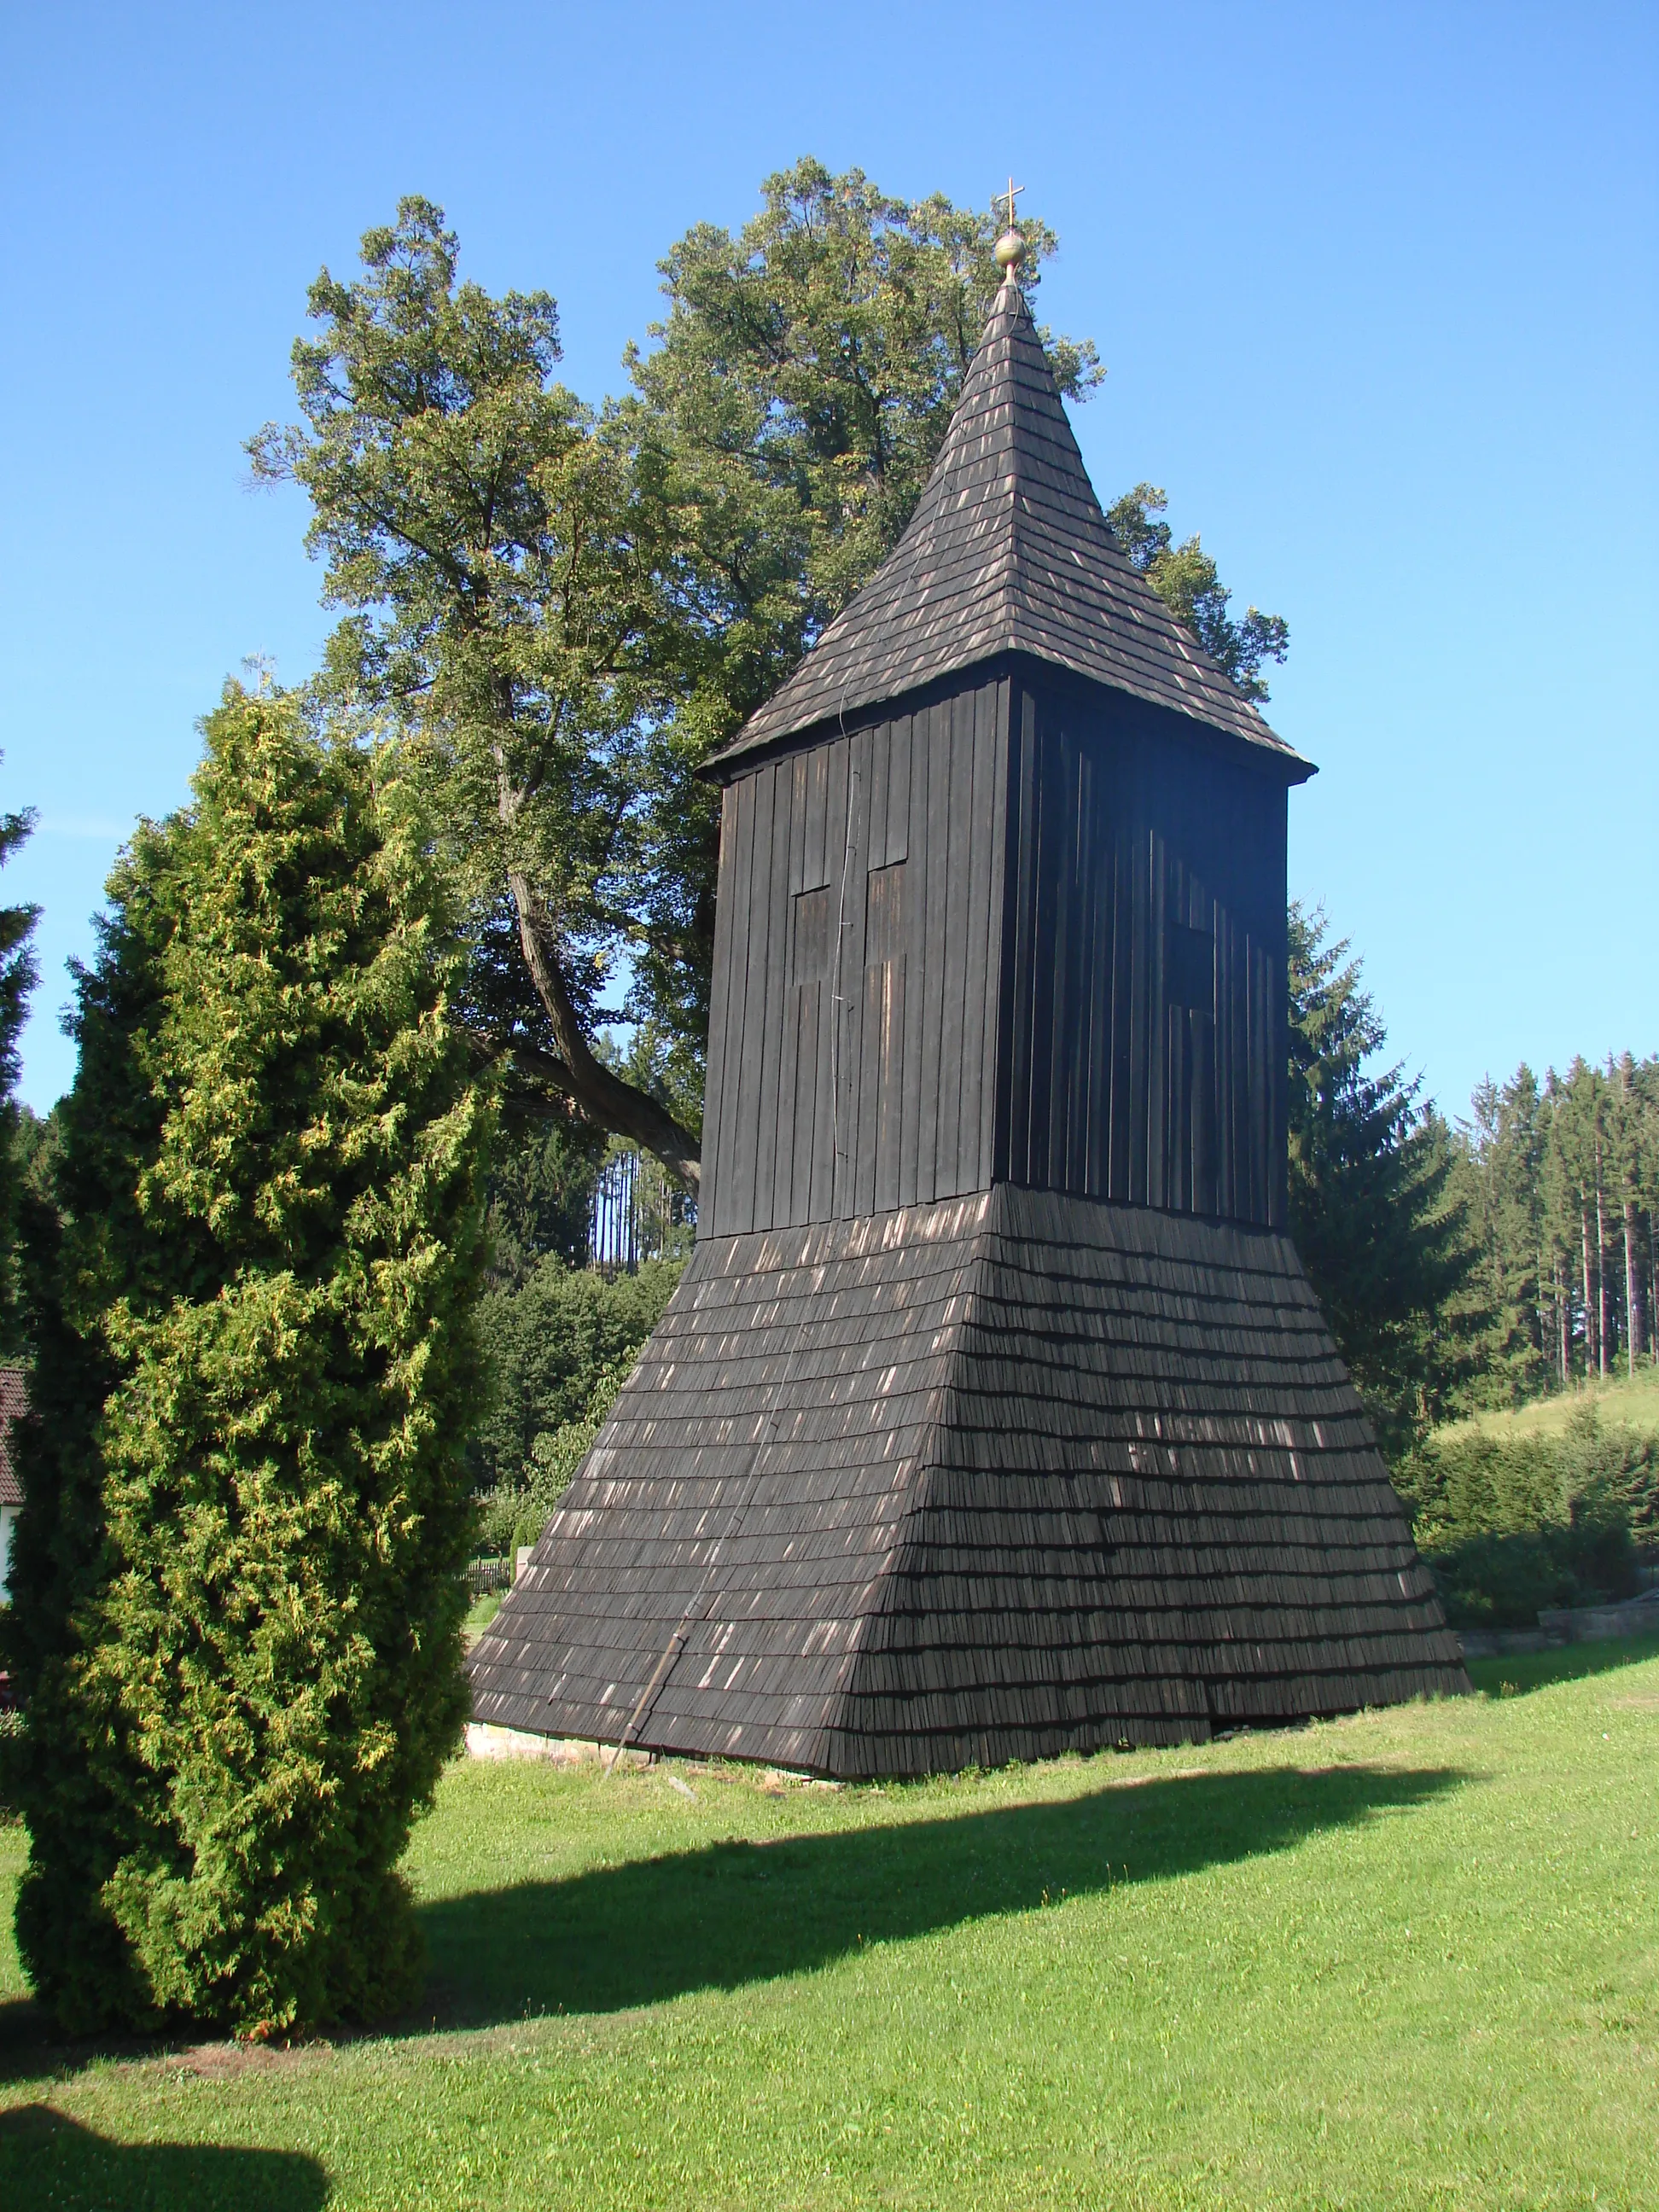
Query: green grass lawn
x=1407 y=1960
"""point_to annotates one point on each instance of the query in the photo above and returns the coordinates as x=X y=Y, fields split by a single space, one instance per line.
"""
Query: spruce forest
x=1560 y=1180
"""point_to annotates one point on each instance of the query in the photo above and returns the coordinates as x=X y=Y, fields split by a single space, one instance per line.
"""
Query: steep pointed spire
x=1007 y=552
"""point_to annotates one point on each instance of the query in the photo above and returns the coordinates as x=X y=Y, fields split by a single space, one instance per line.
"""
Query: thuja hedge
x=238 y=1571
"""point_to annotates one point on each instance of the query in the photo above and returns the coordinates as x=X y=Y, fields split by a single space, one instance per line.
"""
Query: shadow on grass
x=48 y=2159
x=738 y=1912
x=1522 y=1672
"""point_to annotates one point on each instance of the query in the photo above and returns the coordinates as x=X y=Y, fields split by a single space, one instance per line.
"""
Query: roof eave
x=741 y=756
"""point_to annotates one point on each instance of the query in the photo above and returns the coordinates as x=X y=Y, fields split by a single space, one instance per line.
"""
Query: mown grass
x=1408 y=1959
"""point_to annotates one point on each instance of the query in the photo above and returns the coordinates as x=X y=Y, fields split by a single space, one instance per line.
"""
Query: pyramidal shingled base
x=991 y=1478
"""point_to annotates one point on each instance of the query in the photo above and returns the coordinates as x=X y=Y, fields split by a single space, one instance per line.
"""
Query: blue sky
x=1375 y=285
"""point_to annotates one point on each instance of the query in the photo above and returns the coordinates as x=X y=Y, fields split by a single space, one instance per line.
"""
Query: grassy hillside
x=1409 y=1960
x=1635 y=1401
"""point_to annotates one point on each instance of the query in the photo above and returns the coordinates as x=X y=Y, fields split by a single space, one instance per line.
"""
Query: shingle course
x=1008 y=550
x=1008 y=1548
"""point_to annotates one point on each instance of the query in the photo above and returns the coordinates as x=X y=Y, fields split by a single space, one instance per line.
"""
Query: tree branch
x=603 y=1095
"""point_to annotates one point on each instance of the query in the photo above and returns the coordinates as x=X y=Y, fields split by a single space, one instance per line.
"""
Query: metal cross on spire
x=1011 y=246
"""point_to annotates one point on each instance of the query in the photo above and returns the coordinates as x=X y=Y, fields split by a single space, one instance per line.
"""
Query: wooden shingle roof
x=1008 y=550
x=990 y=1479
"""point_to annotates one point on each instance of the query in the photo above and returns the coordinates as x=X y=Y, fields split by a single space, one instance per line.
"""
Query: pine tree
x=1496 y=1175
x=1385 y=1241
x=243 y=1671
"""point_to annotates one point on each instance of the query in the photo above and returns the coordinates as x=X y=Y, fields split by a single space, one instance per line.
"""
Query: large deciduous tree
x=239 y=1589
x=1186 y=578
x=572 y=608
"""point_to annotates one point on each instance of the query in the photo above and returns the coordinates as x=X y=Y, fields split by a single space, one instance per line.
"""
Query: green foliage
x=515 y=1514
x=550 y=1343
x=1513 y=1524
x=241 y=1592
x=1186 y=579
x=1384 y=1238
x=573 y=605
x=1567 y=1177
x=540 y=1193
x=1497 y=1163
x=507 y=591
x=18 y=977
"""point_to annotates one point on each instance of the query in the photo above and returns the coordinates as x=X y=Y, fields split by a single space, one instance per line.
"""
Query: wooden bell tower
x=994 y=1415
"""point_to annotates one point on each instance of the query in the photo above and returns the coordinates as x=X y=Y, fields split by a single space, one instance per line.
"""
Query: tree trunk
x=1564 y=1317
x=1589 y=1294
x=1601 y=1276
x=604 y=1097
x=1632 y=1290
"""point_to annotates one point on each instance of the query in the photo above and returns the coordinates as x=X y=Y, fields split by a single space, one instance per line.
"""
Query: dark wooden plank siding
x=1143 y=1038
x=857 y=1078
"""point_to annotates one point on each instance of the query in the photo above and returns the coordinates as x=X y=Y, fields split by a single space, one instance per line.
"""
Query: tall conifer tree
x=246 y=1512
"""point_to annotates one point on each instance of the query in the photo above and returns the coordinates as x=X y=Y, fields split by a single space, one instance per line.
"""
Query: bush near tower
x=238 y=1627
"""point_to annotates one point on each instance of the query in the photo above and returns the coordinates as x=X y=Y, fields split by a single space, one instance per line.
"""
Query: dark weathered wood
x=1031 y=1474
x=1007 y=552
x=992 y=1416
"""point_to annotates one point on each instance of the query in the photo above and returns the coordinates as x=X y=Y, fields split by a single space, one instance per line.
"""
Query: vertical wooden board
x=1259 y=1033
x=776 y=1102
x=917 y=868
x=936 y=738
x=1158 y=1029
x=890 y=1112
x=1080 y=1044
x=800 y=804
x=803 y=1128
x=835 y=862
x=1279 y=1050
x=1174 y=1110
x=880 y=753
x=849 y=973
x=992 y=1102
x=821 y=1158
x=1182 y=1102
x=970 y=1174
x=720 y=991
x=1206 y=1199
x=730 y=1220
x=1226 y=1116
x=872 y=1008
x=1143 y=1014
x=1060 y=875
x=1014 y=1058
x=1201 y=1045
x=751 y=1060
x=1046 y=864
x=953 y=1010
x=1103 y=980
x=898 y=793
x=1123 y=1010
x=815 y=864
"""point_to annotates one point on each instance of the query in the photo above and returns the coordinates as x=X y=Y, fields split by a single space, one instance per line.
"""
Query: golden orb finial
x=1011 y=246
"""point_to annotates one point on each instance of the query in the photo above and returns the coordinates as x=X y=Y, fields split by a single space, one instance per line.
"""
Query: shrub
x=1512 y=1524
x=549 y=1343
x=246 y=1508
x=517 y=1513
